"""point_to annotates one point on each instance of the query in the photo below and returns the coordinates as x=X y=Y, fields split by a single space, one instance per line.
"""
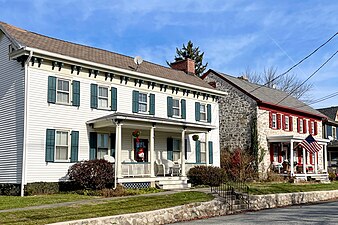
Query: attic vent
x=243 y=78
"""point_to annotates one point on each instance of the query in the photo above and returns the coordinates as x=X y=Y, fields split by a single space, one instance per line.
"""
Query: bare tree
x=289 y=83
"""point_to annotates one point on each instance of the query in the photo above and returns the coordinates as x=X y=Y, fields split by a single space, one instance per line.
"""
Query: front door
x=141 y=150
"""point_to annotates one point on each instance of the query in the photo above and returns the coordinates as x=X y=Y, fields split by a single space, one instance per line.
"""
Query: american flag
x=310 y=144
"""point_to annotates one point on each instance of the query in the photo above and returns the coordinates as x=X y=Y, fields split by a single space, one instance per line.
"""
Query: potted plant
x=195 y=137
x=136 y=133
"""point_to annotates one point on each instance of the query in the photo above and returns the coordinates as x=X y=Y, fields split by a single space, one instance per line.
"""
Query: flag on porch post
x=310 y=144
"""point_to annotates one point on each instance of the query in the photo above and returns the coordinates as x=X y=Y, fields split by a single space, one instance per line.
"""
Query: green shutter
x=135 y=101
x=92 y=145
x=170 y=106
x=114 y=99
x=50 y=145
x=74 y=151
x=112 y=144
x=170 y=147
x=208 y=113
x=197 y=111
x=51 y=98
x=76 y=93
x=152 y=104
x=93 y=96
x=211 y=160
x=183 y=109
x=198 y=151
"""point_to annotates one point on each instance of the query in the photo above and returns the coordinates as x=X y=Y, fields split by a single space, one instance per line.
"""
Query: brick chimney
x=186 y=65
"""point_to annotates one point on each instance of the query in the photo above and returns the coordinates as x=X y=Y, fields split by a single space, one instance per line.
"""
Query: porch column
x=316 y=163
x=152 y=151
x=183 y=153
x=304 y=161
x=291 y=158
x=206 y=148
x=118 y=160
x=325 y=157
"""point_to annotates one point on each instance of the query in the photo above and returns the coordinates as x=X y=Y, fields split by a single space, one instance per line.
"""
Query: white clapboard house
x=62 y=102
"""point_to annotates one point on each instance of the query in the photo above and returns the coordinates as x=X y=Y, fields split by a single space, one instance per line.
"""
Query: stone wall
x=258 y=202
x=236 y=111
x=191 y=211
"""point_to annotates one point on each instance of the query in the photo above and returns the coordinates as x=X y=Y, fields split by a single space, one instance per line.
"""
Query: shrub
x=239 y=165
x=10 y=189
x=206 y=175
x=92 y=174
x=332 y=176
x=41 y=188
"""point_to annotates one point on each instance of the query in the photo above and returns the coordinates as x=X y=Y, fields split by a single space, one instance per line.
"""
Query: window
x=61 y=146
x=102 y=145
x=301 y=130
x=62 y=91
x=312 y=127
x=142 y=102
x=274 y=121
x=176 y=150
x=334 y=136
x=203 y=112
x=287 y=123
x=176 y=107
x=103 y=97
x=203 y=152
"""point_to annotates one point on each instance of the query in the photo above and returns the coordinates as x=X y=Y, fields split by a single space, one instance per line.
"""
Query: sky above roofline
x=235 y=35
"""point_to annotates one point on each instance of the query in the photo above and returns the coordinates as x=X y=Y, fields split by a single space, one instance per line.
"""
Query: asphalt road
x=323 y=213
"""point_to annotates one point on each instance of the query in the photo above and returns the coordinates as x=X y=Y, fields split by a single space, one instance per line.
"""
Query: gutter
x=24 y=150
x=133 y=74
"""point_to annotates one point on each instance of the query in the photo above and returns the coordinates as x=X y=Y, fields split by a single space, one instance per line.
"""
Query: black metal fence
x=235 y=193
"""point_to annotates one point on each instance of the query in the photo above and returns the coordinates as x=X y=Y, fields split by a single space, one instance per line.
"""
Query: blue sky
x=234 y=35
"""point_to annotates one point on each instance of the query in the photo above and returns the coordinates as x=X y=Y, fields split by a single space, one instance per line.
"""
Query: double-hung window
x=287 y=123
x=274 y=121
x=203 y=152
x=62 y=91
x=312 y=127
x=176 y=149
x=142 y=102
x=176 y=107
x=203 y=112
x=103 y=97
x=102 y=145
x=334 y=133
x=62 y=146
x=301 y=128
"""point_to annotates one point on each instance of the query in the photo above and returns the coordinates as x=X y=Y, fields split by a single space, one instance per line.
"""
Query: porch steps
x=172 y=183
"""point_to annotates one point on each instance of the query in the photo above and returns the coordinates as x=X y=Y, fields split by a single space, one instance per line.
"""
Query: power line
x=308 y=77
x=314 y=51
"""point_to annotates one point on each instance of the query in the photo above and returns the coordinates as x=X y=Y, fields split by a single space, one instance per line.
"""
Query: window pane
x=61 y=153
x=176 y=103
x=142 y=97
x=203 y=158
x=59 y=84
x=176 y=145
x=102 y=140
x=61 y=138
x=103 y=103
x=103 y=92
x=65 y=85
x=176 y=112
x=142 y=107
x=101 y=152
x=203 y=116
x=202 y=108
x=176 y=156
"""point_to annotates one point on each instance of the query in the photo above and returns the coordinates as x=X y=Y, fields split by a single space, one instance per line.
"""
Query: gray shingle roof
x=38 y=41
x=268 y=95
x=330 y=112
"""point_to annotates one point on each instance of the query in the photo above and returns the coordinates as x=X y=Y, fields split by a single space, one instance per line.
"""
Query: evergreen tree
x=193 y=53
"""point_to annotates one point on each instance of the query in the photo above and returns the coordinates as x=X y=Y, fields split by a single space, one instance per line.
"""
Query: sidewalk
x=62 y=204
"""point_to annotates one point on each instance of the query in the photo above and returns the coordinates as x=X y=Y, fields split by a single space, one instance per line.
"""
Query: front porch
x=163 y=151
x=288 y=158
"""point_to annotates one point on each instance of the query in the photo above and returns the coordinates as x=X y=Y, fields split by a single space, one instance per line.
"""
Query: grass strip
x=11 y=202
x=275 y=188
x=103 y=208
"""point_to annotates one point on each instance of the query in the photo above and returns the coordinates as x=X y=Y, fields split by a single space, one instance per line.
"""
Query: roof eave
x=16 y=44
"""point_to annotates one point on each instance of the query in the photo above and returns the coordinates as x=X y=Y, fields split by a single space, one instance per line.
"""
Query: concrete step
x=164 y=182
x=175 y=186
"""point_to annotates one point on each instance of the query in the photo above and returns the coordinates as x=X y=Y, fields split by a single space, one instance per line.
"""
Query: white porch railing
x=135 y=169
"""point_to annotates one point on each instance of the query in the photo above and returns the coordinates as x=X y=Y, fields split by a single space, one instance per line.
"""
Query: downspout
x=23 y=169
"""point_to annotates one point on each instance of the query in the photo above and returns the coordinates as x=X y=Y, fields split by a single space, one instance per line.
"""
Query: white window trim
x=203 y=143
x=97 y=143
x=179 y=107
x=69 y=91
x=334 y=133
x=69 y=144
x=148 y=103
x=312 y=127
x=301 y=126
x=98 y=96
x=205 y=112
x=274 y=121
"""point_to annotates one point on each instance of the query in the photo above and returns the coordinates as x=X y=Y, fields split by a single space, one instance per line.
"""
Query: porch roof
x=115 y=117
x=288 y=138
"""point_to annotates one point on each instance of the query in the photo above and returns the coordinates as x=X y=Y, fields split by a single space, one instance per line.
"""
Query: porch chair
x=164 y=166
x=109 y=158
